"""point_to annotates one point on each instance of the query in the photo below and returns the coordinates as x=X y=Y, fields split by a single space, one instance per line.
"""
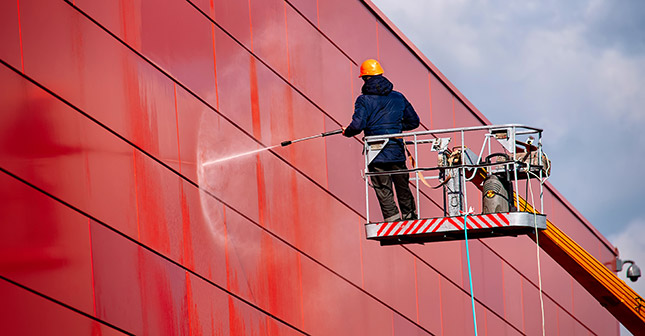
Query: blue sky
x=575 y=69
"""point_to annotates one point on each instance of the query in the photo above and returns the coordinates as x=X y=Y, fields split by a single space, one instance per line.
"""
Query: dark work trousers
x=382 y=185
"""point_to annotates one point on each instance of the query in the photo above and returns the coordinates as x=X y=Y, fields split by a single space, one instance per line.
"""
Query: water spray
x=235 y=156
x=289 y=142
x=284 y=143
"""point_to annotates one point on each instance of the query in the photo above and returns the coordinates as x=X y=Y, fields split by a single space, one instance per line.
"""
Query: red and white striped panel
x=429 y=225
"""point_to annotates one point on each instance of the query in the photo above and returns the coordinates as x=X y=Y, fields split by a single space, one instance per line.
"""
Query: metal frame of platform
x=423 y=145
x=456 y=167
x=452 y=228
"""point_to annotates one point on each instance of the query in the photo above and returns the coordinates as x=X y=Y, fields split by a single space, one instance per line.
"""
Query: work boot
x=393 y=218
x=410 y=216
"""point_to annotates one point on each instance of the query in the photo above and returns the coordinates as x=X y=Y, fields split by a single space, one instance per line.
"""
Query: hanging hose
x=537 y=246
x=470 y=275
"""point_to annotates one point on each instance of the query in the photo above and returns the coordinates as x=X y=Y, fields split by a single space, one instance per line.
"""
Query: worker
x=380 y=110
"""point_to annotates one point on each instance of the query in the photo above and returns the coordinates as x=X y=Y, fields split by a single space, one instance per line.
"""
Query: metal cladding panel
x=235 y=182
x=328 y=301
x=512 y=295
x=10 y=37
x=269 y=27
x=351 y=26
x=235 y=81
x=488 y=282
x=517 y=253
x=401 y=326
x=19 y=306
x=337 y=246
x=531 y=312
x=344 y=180
x=303 y=120
x=308 y=8
x=443 y=257
x=259 y=269
x=428 y=294
x=443 y=114
x=455 y=306
x=277 y=110
x=159 y=208
x=579 y=233
x=497 y=326
x=47 y=250
x=57 y=150
x=318 y=69
x=179 y=40
x=112 y=165
x=407 y=73
x=387 y=276
x=208 y=307
x=589 y=312
x=556 y=282
x=117 y=286
x=234 y=17
x=205 y=234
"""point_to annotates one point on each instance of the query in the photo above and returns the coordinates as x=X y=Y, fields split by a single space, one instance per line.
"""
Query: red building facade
x=120 y=218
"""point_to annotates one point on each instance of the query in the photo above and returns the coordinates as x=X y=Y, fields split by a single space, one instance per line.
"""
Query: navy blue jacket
x=381 y=110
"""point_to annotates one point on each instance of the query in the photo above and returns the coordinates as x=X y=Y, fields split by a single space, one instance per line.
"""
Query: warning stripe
x=431 y=225
x=455 y=224
x=411 y=226
x=419 y=226
x=487 y=221
x=401 y=227
x=423 y=225
x=392 y=226
x=397 y=228
x=504 y=218
x=498 y=219
x=438 y=225
x=383 y=227
x=493 y=220
x=470 y=222
x=481 y=222
x=460 y=220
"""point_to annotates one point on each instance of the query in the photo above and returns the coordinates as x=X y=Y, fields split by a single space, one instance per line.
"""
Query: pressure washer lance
x=289 y=142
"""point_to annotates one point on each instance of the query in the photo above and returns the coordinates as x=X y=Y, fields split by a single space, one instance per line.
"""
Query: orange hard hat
x=370 y=67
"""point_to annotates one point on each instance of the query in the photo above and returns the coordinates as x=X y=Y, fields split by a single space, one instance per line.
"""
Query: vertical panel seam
x=174 y=86
x=250 y=24
x=215 y=67
x=22 y=57
x=286 y=31
x=440 y=303
x=378 y=47
x=430 y=97
x=136 y=190
x=416 y=286
x=89 y=222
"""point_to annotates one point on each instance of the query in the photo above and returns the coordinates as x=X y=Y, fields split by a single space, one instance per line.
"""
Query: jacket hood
x=377 y=85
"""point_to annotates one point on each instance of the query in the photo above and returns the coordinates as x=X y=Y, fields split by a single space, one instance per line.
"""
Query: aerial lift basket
x=509 y=155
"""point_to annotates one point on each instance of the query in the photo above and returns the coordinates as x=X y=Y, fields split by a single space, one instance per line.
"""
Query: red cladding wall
x=117 y=216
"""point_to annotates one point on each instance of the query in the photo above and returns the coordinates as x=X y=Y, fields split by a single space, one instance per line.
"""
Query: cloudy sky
x=574 y=68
